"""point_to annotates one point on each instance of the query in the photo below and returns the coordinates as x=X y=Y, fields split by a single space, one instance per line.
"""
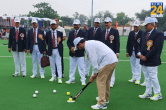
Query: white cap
x=97 y=20
x=76 y=41
x=137 y=23
x=76 y=21
x=148 y=20
x=17 y=19
x=108 y=19
x=34 y=20
x=155 y=20
x=53 y=22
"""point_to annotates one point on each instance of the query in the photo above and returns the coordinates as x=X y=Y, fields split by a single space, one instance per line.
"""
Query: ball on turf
x=68 y=93
x=54 y=91
x=34 y=95
x=36 y=92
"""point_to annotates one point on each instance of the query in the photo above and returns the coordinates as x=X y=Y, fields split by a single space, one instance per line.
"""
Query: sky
x=69 y=7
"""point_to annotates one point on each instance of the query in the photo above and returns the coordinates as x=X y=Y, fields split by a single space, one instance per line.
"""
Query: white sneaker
x=52 y=79
x=60 y=81
x=97 y=98
x=69 y=82
x=42 y=76
x=83 y=83
x=156 y=97
x=33 y=76
x=137 y=82
x=97 y=106
x=144 y=96
x=18 y=74
x=143 y=84
x=111 y=85
x=132 y=80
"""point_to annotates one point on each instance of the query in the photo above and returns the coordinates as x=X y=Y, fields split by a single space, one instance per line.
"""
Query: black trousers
x=62 y=65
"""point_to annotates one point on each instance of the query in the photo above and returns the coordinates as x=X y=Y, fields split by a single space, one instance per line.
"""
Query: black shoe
x=24 y=75
x=15 y=75
x=63 y=76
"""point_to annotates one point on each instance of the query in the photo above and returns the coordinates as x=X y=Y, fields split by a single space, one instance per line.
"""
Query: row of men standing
x=35 y=43
x=36 y=39
x=109 y=36
x=144 y=49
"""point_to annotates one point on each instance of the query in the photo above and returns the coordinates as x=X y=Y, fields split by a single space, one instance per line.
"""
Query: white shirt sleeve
x=92 y=57
x=64 y=33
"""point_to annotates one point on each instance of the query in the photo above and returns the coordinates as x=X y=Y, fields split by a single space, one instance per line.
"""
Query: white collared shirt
x=36 y=33
x=99 y=54
x=61 y=29
x=16 y=29
x=150 y=32
x=95 y=28
x=77 y=31
x=55 y=33
x=108 y=32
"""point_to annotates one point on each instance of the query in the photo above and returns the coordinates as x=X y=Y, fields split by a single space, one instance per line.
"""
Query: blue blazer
x=41 y=43
x=12 y=39
x=49 y=42
x=115 y=45
x=90 y=34
x=132 y=42
x=153 y=56
x=70 y=44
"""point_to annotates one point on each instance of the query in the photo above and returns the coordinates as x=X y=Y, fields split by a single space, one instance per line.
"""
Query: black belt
x=55 y=48
x=35 y=43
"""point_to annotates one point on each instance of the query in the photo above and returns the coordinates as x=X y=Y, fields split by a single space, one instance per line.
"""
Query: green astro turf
x=16 y=92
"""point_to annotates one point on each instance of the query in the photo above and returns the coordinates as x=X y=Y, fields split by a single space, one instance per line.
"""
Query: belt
x=55 y=48
x=35 y=43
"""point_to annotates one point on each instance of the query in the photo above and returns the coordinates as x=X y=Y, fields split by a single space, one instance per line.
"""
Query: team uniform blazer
x=115 y=45
x=152 y=55
x=70 y=44
x=41 y=42
x=21 y=41
x=133 y=42
x=49 y=42
x=90 y=34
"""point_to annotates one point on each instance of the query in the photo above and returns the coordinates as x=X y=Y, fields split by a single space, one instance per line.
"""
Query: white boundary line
x=63 y=57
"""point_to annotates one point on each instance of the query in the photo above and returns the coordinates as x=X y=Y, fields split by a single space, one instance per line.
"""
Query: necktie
x=75 y=35
x=94 y=31
x=34 y=36
x=53 y=40
x=106 y=35
x=135 y=36
x=16 y=34
x=147 y=36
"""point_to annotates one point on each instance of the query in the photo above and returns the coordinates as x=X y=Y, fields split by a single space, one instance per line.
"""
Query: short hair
x=57 y=18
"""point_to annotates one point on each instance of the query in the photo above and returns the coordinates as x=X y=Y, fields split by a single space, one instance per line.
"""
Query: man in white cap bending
x=103 y=61
x=17 y=41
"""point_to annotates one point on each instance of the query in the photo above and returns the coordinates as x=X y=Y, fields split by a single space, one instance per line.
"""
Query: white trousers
x=55 y=58
x=37 y=55
x=73 y=64
x=87 y=65
x=135 y=67
x=150 y=74
x=19 y=57
x=113 y=78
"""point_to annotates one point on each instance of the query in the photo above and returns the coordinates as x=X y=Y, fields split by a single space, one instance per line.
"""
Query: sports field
x=16 y=92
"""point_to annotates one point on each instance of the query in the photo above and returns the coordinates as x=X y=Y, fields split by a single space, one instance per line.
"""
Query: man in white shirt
x=103 y=61
x=61 y=29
